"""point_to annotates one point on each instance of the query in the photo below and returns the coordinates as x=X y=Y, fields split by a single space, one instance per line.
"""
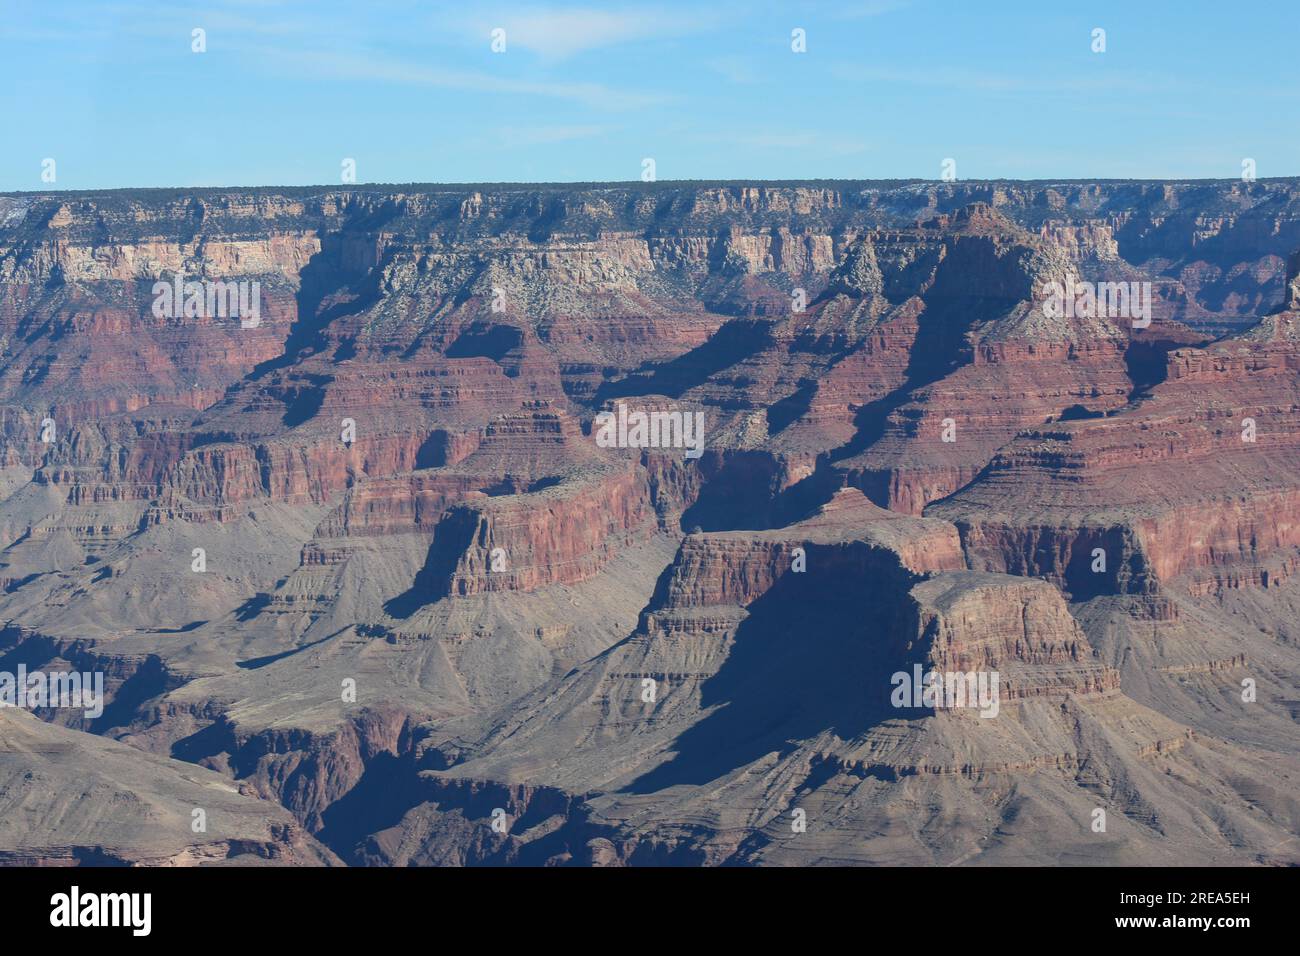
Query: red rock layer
x=1172 y=484
x=562 y=535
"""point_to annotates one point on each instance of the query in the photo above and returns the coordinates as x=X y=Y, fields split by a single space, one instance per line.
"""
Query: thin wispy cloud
x=990 y=82
x=787 y=139
x=734 y=69
x=588 y=88
x=867 y=8
x=560 y=33
x=548 y=135
x=359 y=67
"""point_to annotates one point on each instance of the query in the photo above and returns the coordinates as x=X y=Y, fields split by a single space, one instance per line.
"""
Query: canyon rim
x=365 y=588
x=573 y=468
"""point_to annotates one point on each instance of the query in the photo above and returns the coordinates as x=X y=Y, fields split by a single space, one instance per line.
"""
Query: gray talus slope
x=69 y=797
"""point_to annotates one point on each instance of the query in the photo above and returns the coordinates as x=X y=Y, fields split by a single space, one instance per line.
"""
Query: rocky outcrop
x=563 y=534
x=72 y=798
x=371 y=563
x=1199 y=474
x=1017 y=627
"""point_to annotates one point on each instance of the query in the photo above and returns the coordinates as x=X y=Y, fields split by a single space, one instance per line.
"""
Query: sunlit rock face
x=637 y=512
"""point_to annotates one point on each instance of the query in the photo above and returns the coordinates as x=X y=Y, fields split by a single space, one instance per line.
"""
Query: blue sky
x=585 y=91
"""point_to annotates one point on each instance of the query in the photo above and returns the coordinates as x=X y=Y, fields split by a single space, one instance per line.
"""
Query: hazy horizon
x=611 y=183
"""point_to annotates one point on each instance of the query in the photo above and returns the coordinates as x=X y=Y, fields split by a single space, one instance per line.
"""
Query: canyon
x=366 y=588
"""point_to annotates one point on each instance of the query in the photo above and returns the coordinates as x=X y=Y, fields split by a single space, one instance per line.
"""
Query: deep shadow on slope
x=815 y=654
x=734 y=342
x=742 y=491
x=939 y=349
x=451 y=538
x=331 y=286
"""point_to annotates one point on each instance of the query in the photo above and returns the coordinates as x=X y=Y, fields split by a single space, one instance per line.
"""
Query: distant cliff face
x=499 y=455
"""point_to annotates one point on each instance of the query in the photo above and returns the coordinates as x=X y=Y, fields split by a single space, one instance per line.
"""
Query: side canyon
x=362 y=581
